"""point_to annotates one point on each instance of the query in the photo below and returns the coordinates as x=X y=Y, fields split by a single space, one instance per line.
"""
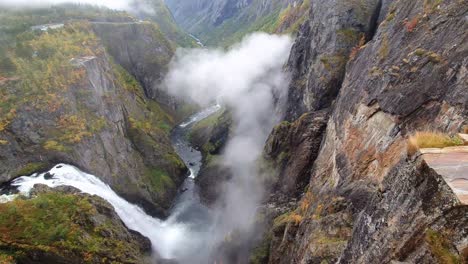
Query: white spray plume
x=248 y=79
x=136 y=7
x=113 y=4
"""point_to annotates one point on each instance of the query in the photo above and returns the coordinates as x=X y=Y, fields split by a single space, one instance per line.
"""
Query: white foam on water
x=5 y=198
x=168 y=238
x=171 y=239
x=201 y=115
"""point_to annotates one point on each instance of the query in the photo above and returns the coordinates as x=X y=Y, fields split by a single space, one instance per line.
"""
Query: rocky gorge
x=100 y=105
x=342 y=179
x=376 y=73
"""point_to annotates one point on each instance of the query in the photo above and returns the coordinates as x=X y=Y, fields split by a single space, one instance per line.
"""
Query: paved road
x=452 y=164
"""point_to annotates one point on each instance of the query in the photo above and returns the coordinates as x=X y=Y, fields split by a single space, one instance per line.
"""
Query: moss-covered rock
x=209 y=136
x=70 y=102
x=62 y=226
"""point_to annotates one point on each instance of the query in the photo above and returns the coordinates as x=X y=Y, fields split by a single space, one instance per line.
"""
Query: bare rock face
x=368 y=199
x=142 y=49
x=292 y=147
x=322 y=48
x=101 y=123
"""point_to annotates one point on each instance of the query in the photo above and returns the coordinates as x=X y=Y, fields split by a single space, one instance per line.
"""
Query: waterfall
x=179 y=237
x=165 y=237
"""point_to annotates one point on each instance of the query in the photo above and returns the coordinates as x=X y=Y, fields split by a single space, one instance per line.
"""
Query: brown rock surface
x=368 y=201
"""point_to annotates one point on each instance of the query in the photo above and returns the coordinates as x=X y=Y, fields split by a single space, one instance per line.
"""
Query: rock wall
x=369 y=200
x=141 y=49
x=145 y=52
x=102 y=123
x=318 y=58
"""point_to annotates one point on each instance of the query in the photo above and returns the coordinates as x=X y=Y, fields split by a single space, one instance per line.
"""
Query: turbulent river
x=180 y=236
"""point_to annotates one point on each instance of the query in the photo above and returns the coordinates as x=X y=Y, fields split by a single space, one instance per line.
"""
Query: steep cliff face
x=369 y=200
x=210 y=136
x=83 y=109
x=145 y=52
x=142 y=49
x=291 y=147
x=223 y=22
x=318 y=58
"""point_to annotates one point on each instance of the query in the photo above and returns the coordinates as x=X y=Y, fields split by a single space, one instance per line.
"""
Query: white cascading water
x=201 y=115
x=170 y=239
x=167 y=236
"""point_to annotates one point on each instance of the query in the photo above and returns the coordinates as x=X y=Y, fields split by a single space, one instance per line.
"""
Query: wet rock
x=368 y=200
x=291 y=150
x=42 y=188
x=210 y=138
x=322 y=48
x=49 y=175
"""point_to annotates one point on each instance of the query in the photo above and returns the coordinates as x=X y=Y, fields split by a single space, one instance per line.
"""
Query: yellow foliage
x=305 y=202
x=5 y=259
x=6 y=120
x=431 y=139
x=54 y=145
x=295 y=218
x=74 y=128
x=384 y=48
x=318 y=211
x=3 y=124
x=293 y=15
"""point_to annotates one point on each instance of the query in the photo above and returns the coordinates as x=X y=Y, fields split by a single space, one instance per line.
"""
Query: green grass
x=44 y=80
x=31 y=168
x=159 y=180
x=59 y=224
x=289 y=217
x=261 y=252
x=208 y=122
x=45 y=220
x=440 y=248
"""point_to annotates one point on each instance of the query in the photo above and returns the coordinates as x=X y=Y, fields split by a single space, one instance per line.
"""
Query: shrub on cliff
x=431 y=139
x=62 y=226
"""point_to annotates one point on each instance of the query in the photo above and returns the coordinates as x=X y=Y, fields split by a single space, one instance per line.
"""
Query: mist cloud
x=113 y=4
x=248 y=79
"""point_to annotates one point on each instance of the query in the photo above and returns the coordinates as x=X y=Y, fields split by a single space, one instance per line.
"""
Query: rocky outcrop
x=142 y=49
x=210 y=136
x=63 y=226
x=369 y=200
x=99 y=120
x=291 y=150
x=323 y=46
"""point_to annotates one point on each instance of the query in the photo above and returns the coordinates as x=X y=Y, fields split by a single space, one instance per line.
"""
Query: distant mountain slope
x=157 y=11
x=223 y=22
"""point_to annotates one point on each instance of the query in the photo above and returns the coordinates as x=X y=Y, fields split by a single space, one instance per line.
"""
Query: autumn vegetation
x=57 y=223
x=432 y=139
